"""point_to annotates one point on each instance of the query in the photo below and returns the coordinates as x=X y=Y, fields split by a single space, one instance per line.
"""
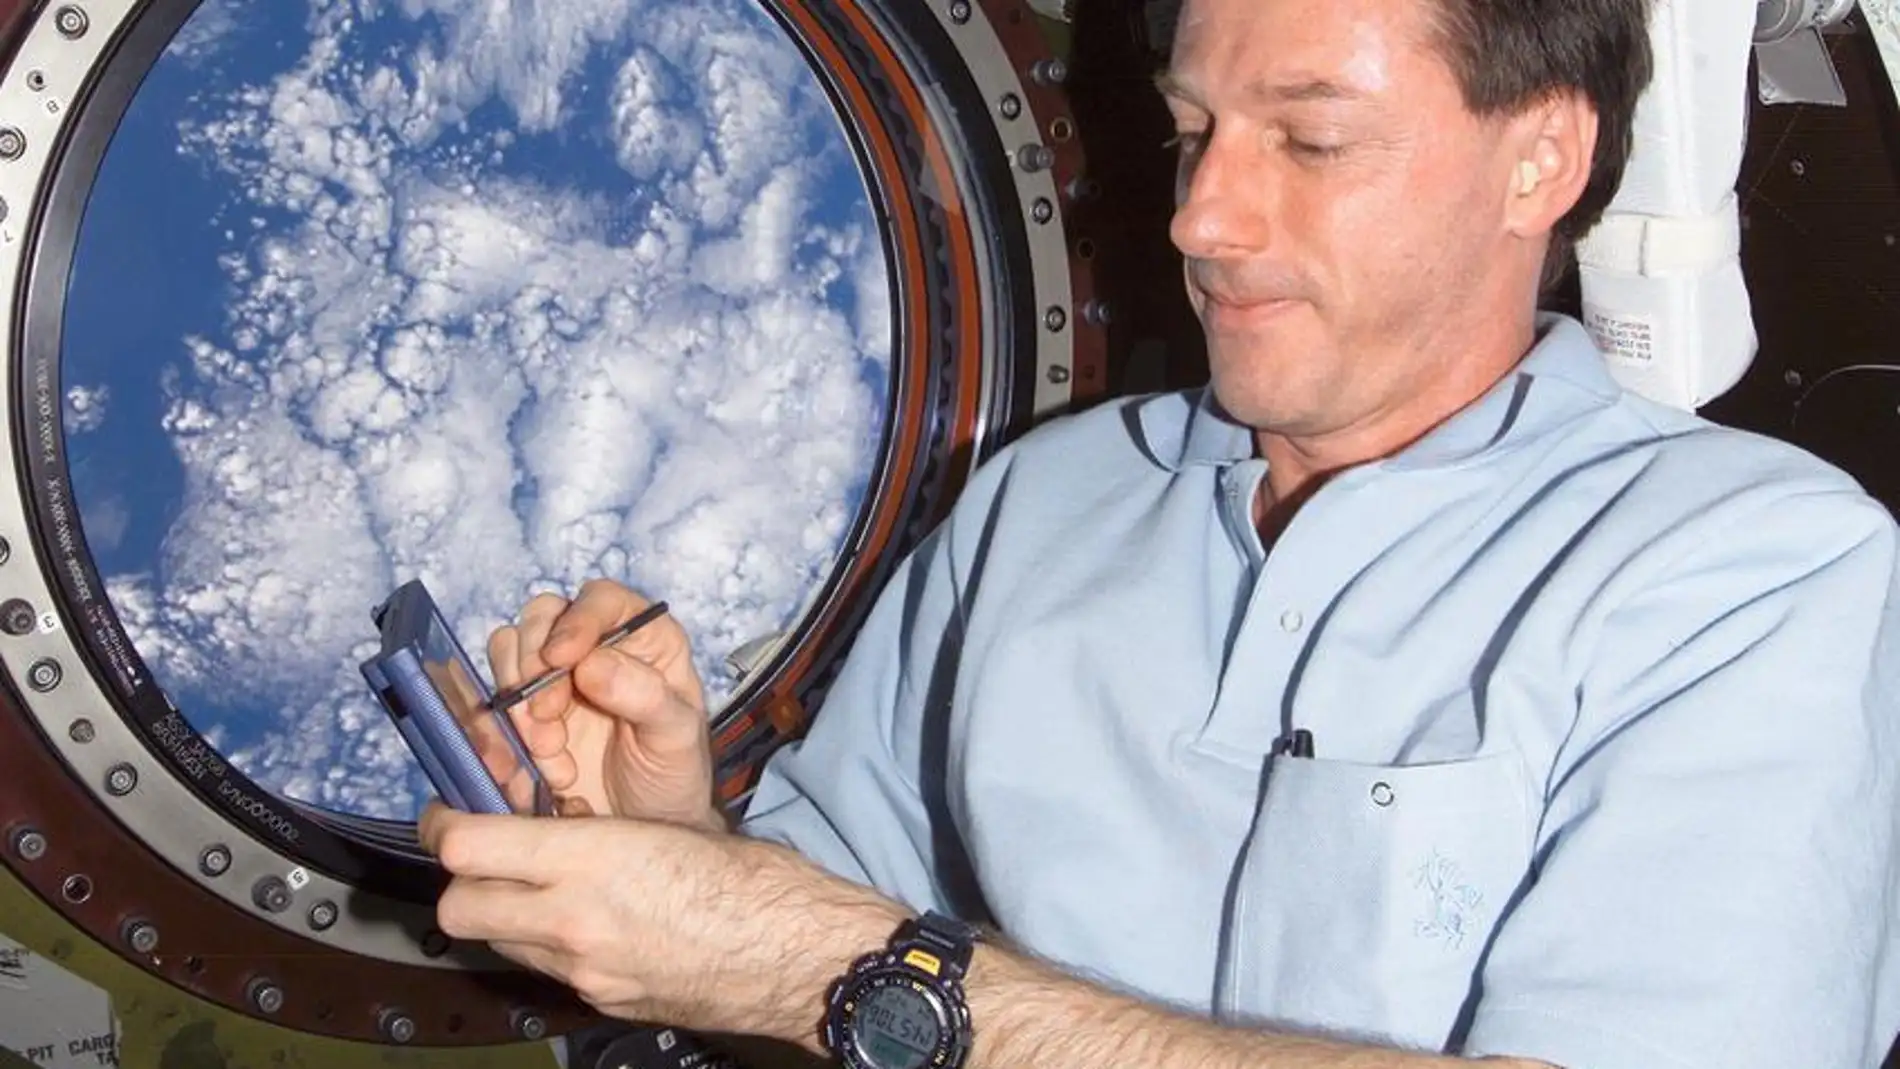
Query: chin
x=1250 y=401
x=1254 y=383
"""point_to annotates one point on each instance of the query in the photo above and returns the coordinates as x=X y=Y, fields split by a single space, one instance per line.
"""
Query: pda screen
x=488 y=731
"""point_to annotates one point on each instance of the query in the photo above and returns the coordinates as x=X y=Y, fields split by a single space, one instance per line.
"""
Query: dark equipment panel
x=1821 y=251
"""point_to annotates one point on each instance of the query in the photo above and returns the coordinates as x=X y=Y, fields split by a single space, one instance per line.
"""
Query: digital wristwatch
x=903 y=1007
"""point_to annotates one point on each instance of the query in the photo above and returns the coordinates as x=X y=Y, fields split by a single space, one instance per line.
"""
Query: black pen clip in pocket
x=1298 y=743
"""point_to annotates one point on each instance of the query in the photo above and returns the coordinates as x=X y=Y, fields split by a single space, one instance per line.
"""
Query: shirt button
x=1291 y=621
x=1382 y=794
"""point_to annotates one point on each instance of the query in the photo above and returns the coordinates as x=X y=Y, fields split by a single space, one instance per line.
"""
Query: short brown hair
x=1510 y=54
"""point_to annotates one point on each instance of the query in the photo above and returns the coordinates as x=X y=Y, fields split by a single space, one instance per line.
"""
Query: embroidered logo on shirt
x=1450 y=912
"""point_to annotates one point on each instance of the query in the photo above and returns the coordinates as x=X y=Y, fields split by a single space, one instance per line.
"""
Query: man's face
x=1337 y=205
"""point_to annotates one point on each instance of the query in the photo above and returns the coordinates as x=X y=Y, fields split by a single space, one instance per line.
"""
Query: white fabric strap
x=1652 y=246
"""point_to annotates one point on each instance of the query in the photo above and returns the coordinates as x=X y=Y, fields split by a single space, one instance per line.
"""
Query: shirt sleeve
x=863 y=793
x=1714 y=884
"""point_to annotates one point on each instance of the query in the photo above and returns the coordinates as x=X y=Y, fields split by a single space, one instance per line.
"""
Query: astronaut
x=1413 y=690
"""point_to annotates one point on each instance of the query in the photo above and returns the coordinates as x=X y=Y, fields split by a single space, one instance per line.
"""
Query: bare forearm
x=1029 y=1016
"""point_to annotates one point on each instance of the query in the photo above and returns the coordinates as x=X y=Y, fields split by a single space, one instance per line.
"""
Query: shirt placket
x=1292 y=585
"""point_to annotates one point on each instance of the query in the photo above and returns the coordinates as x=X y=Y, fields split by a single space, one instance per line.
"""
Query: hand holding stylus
x=503 y=699
x=617 y=724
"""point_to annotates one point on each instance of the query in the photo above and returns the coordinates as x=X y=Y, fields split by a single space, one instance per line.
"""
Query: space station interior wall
x=1661 y=276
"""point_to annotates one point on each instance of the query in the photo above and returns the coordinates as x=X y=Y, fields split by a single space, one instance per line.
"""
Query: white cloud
x=205 y=31
x=442 y=367
x=106 y=521
x=86 y=408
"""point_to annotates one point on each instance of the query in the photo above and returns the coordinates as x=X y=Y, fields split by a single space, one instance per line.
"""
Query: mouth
x=1239 y=312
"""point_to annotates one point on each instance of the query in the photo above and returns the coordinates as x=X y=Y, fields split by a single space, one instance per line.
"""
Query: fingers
x=541 y=959
x=493 y=911
x=547 y=742
x=601 y=606
x=538 y=618
x=631 y=690
x=526 y=850
x=504 y=646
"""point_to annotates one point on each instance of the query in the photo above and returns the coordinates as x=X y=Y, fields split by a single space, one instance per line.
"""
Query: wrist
x=901 y=1005
x=834 y=944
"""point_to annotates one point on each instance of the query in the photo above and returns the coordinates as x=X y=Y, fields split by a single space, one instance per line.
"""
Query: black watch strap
x=945 y=941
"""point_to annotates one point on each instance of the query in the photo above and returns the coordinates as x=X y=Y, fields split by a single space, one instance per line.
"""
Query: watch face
x=895 y=1027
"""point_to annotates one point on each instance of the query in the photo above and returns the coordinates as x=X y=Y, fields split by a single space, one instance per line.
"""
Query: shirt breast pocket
x=1369 y=892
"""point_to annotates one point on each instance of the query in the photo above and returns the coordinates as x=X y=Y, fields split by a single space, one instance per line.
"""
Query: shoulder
x=1061 y=480
x=1682 y=511
x=1121 y=429
x=1082 y=454
x=1705 y=472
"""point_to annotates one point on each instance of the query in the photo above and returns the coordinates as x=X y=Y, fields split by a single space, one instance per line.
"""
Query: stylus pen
x=552 y=676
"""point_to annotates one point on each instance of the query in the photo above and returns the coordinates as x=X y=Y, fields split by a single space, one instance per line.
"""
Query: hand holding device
x=626 y=732
x=440 y=705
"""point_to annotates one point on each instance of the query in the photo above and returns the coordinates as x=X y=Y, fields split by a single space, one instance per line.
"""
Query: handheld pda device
x=443 y=709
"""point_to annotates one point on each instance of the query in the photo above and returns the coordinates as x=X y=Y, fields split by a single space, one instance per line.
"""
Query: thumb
x=630 y=690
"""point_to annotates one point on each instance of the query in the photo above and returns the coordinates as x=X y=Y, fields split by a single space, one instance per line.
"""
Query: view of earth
x=501 y=294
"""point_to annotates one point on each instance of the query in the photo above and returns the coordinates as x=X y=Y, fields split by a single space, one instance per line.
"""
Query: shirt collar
x=1562 y=375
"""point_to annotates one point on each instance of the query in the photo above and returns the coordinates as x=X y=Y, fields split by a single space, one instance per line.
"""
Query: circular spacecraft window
x=725 y=301
x=364 y=294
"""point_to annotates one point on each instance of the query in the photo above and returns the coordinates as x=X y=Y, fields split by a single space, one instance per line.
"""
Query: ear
x=1548 y=149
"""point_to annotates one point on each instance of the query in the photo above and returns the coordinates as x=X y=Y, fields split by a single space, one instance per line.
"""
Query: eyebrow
x=1308 y=89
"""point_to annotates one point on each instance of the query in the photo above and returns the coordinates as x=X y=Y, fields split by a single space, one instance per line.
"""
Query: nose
x=1221 y=200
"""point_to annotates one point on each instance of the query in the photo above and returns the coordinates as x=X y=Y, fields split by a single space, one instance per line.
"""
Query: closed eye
x=1313 y=150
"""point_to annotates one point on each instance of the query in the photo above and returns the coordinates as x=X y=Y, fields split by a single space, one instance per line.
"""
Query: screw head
x=71 y=21
x=1792 y=378
x=36 y=80
x=271 y=894
x=141 y=936
x=1042 y=210
x=215 y=861
x=81 y=731
x=77 y=888
x=434 y=944
x=12 y=143
x=121 y=780
x=322 y=916
x=29 y=845
x=397 y=1026
x=44 y=675
x=1051 y=71
x=1098 y=312
x=1035 y=157
x=1011 y=106
x=1055 y=319
x=959 y=11
x=17 y=617
x=265 y=996
x=529 y=1024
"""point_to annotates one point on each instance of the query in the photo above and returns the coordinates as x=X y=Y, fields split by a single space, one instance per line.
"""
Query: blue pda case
x=439 y=703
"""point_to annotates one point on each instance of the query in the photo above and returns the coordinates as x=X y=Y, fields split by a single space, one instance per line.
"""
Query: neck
x=1460 y=365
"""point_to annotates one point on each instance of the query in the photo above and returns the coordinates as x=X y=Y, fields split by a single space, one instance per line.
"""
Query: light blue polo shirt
x=1604 y=703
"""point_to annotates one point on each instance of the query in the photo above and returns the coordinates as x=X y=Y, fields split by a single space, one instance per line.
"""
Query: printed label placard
x=1626 y=339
